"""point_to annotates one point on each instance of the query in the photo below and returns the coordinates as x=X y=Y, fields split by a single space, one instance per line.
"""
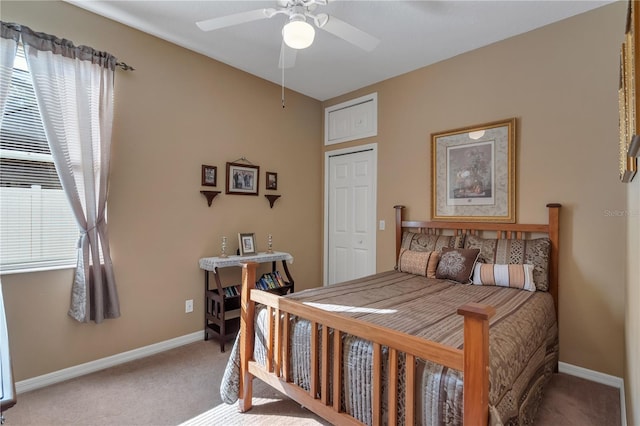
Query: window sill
x=36 y=269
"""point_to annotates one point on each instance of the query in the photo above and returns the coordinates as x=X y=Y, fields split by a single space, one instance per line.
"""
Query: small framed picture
x=247 y=244
x=242 y=179
x=209 y=175
x=272 y=180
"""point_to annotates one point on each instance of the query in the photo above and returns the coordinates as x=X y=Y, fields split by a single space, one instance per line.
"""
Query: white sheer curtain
x=74 y=89
x=8 y=46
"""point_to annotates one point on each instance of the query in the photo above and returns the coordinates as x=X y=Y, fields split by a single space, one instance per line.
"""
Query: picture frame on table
x=247 y=244
x=242 y=179
x=474 y=173
x=209 y=175
x=272 y=180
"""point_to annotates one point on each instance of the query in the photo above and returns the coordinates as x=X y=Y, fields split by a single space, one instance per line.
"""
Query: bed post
x=554 y=237
x=475 y=360
x=247 y=310
x=398 y=231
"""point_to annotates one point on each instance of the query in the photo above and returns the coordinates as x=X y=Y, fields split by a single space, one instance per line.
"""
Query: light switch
x=381 y=225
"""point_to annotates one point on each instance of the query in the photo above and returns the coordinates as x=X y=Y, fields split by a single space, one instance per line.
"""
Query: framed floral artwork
x=474 y=172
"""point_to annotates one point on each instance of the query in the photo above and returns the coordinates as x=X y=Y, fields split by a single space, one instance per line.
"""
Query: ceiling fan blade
x=287 y=57
x=230 y=20
x=351 y=34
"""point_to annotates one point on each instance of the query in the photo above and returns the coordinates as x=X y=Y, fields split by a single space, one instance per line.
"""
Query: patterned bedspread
x=523 y=343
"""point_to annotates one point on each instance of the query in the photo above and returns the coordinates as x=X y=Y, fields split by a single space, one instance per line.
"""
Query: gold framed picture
x=627 y=101
x=474 y=173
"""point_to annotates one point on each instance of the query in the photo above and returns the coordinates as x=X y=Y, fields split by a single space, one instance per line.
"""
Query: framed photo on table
x=473 y=173
x=242 y=179
x=247 y=244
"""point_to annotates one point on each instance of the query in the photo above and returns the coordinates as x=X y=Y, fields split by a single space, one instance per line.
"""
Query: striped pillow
x=514 y=276
x=505 y=251
x=418 y=262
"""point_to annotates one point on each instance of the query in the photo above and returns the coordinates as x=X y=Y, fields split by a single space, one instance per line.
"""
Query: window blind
x=37 y=228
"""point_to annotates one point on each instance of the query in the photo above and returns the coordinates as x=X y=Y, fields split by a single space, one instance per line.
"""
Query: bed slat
x=393 y=387
x=315 y=375
x=325 y=365
x=410 y=386
x=278 y=344
x=270 y=339
x=376 y=385
x=286 y=355
x=337 y=369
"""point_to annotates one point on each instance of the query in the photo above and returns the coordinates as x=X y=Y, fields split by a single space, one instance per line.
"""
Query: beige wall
x=177 y=111
x=560 y=82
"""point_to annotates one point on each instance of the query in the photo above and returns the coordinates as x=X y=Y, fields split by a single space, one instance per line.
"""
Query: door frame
x=374 y=214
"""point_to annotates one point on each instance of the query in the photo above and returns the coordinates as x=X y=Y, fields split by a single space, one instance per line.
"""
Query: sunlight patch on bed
x=342 y=308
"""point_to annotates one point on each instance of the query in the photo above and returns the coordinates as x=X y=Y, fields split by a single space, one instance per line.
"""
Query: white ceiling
x=412 y=34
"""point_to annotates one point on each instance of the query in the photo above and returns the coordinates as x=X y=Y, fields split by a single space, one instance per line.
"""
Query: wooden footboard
x=473 y=359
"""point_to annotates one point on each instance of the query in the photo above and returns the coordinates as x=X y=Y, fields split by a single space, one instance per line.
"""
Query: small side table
x=222 y=310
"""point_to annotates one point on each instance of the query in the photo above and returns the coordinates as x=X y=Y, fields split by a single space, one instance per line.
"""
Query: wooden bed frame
x=472 y=359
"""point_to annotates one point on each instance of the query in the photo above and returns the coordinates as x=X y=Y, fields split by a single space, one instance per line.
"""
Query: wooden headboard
x=494 y=230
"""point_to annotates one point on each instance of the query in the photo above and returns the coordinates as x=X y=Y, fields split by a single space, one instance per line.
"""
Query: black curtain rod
x=124 y=66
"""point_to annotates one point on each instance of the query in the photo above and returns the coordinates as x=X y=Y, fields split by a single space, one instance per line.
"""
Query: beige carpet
x=181 y=386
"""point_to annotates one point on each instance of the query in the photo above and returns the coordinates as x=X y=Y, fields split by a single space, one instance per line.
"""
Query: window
x=37 y=227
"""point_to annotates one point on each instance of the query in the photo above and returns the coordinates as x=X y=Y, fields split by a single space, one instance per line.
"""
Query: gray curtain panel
x=74 y=89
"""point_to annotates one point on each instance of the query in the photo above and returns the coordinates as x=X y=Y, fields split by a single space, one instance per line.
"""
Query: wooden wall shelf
x=272 y=198
x=210 y=195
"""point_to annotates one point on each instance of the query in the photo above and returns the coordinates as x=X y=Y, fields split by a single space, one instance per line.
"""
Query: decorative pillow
x=515 y=276
x=418 y=262
x=503 y=251
x=457 y=264
x=428 y=242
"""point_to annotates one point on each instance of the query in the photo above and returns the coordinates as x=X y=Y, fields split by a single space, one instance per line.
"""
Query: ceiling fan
x=297 y=33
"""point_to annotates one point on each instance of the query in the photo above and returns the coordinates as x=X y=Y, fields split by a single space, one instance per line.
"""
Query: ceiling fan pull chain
x=283 y=83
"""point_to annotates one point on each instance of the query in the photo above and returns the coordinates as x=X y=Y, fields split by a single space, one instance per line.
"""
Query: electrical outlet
x=188 y=306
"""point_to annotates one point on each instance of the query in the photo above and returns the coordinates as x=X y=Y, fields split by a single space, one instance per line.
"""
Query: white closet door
x=351 y=215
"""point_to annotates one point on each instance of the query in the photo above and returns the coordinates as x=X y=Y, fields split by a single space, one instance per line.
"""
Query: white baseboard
x=100 y=364
x=596 y=376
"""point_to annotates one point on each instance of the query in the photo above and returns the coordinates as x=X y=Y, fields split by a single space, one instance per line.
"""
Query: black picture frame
x=209 y=175
x=242 y=179
x=272 y=181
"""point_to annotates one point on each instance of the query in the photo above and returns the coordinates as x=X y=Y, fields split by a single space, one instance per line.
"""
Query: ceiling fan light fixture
x=298 y=34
